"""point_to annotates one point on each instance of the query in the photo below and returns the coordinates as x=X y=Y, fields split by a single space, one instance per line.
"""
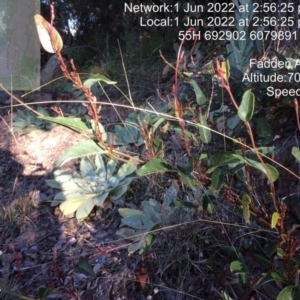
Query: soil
x=42 y=248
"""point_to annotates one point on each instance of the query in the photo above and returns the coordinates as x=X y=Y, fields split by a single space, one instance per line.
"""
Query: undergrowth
x=209 y=210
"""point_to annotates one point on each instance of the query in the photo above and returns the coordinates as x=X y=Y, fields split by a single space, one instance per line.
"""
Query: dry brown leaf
x=45 y=32
x=142 y=276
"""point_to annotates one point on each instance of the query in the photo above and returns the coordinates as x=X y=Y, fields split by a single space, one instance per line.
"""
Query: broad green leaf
x=43 y=293
x=84 y=210
x=263 y=128
x=185 y=176
x=237 y=267
x=217 y=178
x=100 y=167
x=296 y=153
x=222 y=159
x=87 y=167
x=289 y=293
x=85 y=267
x=147 y=243
x=233 y=121
x=138 y=222
x=205 y=134
x=275 y=218
x=94 y=79
x=70 y=206
x=118 y=192
x=76 y=124
x=154 y=166
x=246 y=200
x=125 y=170
x=128 y=212
x=82 y=149
x=272 y=276
x=257 y=165
x=209 y=203
x=171 y=195
x=100 y=199
x=280 y=252
x=226 y=67
x=200 y=97
x=110 y=167
x=246 y=107
x=71 y=196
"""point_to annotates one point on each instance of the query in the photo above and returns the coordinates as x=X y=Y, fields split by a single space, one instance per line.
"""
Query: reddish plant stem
x=226 y=85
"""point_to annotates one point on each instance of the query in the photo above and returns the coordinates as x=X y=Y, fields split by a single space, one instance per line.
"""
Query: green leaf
x=87 y=167
x=43 y=293
x=77 y=124
x=100 y=199
x=185 y=176
x=147 y=243
x=257 y=165
x=70 y=206
x=200 y=97
x=82 y=149
x=289 y=293
x=94 y=79
x=246 y=200
x=205 y=134
x=272 y=276
x=217 y=178
x=226 y=67
x=118 y=192
x=280 y=252
x=233 y=121
x=237 y=267
x=136 y=219
x=246 y=107
x=296 y=153
x=275 y=218
x=263 y=128
x=84 y=210
x=126 y=169
x=154 y=166
x=171 y=195
x=222 y=159
x=84 y=267
x=209 y=203
x=128 y=212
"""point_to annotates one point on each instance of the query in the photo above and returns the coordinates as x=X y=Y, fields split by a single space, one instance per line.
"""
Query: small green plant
x=155 y=215
x=98 y=182
x=26 y=121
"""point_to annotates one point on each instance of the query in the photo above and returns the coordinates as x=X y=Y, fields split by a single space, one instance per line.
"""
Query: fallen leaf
x=142 y=276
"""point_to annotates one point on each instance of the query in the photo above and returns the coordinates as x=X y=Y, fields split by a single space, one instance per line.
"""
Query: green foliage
x=97 y=183
x=84 y=267
x=246 y=109
x=154 y=216
x=26 y=121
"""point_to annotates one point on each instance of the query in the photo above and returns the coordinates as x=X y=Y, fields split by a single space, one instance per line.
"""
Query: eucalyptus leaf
x=246 y=108
x=85 y=267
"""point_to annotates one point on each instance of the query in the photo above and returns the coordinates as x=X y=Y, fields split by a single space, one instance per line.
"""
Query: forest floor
x=41 y=248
